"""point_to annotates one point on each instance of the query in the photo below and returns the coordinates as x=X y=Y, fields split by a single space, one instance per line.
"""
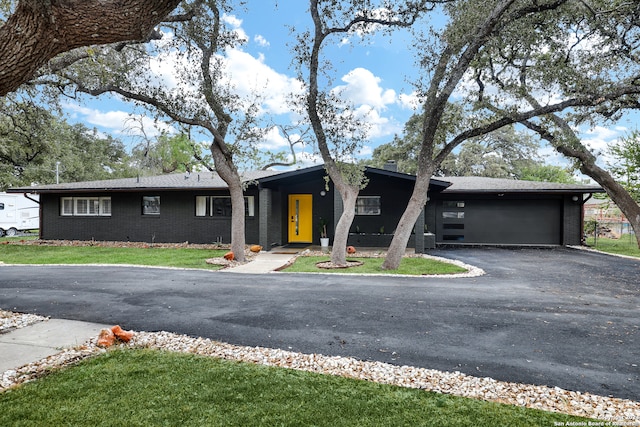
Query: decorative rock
x=614 y=410
x=10 y=320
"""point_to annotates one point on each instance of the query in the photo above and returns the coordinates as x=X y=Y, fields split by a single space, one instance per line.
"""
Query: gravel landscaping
x=617 y=411
x=10 y=321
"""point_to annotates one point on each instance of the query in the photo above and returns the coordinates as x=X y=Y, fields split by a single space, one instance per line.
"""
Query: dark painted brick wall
x=177 y=221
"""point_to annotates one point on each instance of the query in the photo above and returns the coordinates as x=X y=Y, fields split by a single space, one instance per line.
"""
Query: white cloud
x=273 y=140
x=261 y=41
x=409 y=101
x=379 y=126
x=599 y=139
x=116 y=121
x=365 y=151
x=363 y=88
x=251 y=77
x=236 y=26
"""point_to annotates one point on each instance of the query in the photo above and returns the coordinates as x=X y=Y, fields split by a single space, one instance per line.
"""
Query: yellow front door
x=300 y=218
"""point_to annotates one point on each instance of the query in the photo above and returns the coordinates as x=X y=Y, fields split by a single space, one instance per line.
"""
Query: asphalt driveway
x=557 y=317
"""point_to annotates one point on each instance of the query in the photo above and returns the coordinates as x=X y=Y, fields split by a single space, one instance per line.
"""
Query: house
x=287 y=207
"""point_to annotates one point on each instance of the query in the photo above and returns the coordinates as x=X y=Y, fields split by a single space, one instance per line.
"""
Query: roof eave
x=527 y=191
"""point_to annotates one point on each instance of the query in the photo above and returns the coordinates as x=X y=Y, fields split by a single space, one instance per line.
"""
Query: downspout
x=39 y=214
x=33 y=200
x=583 y=242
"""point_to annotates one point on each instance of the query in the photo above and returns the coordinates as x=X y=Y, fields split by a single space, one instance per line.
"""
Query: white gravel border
x=10 y=320
x=620 y=412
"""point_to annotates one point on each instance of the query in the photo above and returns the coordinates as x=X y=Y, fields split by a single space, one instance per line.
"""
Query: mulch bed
x=328 y=265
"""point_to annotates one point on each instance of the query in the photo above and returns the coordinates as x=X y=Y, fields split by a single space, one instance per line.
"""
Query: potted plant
x=324 y=238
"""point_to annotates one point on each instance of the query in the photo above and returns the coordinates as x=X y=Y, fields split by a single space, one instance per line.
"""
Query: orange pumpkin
x=229 y=256
x=106 y=338
x=255 y=248
x=351 y=250
x=122 y=335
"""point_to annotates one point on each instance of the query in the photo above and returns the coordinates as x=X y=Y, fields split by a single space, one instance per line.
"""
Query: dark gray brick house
x=289 y=207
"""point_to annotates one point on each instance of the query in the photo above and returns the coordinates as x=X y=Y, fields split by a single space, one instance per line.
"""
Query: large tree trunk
x=229 y=173
x=349 y=196
x=621 y=197
x=406 y=224
x=38 y=30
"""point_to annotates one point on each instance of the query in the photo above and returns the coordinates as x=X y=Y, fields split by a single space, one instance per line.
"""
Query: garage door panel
x=514 y=222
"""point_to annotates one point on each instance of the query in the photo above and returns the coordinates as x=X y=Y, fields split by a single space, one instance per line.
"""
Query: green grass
x=166 y=257
x=625 y=245
x=411 y=266
x=19 y=238
x=153 y=388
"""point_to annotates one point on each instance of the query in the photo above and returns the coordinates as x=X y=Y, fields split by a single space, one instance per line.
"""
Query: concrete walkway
x=264 y=262
x=32 y=343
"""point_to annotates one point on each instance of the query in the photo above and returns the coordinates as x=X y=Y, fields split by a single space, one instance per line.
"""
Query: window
x=151 y=205
x=1 y=206
x=368 y=205
x=451 y=215
x=453 y=226
x=452 y=204
x=453 y=221
x=220 y=206
x=85 y=206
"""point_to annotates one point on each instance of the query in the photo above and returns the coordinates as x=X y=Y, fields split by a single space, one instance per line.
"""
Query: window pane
x=105 y=204
x=456 y=215
x=82 y=206
x=94 y=206
x=222 y=206
x=368 y=205
x=452 y=204
x=1 y=206
x=66 y=206
x=151 y=205
x=201 y=205
x=249 y=207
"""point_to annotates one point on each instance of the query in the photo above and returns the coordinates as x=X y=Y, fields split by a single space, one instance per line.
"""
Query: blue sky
x=373 y=73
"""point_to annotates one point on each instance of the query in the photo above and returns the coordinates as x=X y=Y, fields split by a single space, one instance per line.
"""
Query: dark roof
x=211 y=180
x=181 y=181
x=475 y=184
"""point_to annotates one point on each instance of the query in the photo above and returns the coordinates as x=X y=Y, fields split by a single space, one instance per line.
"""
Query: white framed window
x=85 y=206
x=105 y=206
x=368 y=205
x=220 y=206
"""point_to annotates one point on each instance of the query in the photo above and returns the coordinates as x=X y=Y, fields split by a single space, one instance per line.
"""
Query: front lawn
x=150 y=388
x=151 y=256
x=416 y=266
x=625 y=245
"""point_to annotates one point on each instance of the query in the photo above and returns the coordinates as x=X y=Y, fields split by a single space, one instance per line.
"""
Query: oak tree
x=337 y=127
x=463 y=58
x=192 y=90
x=38 y=30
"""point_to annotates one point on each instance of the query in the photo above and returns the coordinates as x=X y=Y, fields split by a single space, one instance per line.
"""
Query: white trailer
x=18 y=213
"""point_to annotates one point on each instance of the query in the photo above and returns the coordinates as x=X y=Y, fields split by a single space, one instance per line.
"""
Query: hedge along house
x=289 y=207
